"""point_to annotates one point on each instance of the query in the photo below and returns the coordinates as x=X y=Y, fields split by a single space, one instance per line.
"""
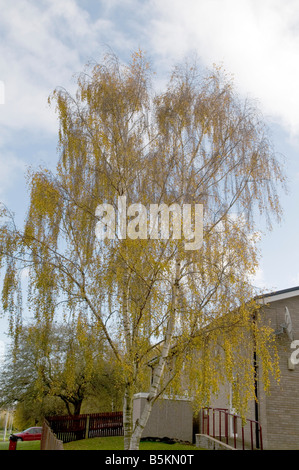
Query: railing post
x=213 y=411
x=226 y=426
x=261 y=437
x=208 y=424
x=234 y=431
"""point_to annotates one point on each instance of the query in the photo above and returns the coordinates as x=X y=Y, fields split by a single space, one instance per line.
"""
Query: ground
x=104 y=443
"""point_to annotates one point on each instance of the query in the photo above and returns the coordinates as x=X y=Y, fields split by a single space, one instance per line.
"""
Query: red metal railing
x=223 y=425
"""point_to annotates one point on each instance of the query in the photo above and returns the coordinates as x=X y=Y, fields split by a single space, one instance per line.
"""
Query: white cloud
x=43 y=45
x=257 y=41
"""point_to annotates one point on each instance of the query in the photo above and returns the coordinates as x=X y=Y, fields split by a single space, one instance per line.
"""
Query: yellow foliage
x=157 y=305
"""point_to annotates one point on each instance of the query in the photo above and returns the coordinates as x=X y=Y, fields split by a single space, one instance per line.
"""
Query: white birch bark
x=159 y=369
x=128 y=396
x=128 y=416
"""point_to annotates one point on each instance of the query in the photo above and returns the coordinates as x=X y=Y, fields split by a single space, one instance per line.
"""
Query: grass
x=103 y=443
x=117 y=443
x=29 y=445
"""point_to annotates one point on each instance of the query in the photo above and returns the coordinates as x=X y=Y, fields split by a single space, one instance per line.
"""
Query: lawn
x=102 y=443
x=117 y=443
x=29 y=445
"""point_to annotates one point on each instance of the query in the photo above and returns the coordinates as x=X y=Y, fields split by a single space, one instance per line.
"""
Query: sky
x=44 y=44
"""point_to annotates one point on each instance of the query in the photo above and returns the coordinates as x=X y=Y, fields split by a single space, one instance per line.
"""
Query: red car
x=30 y=434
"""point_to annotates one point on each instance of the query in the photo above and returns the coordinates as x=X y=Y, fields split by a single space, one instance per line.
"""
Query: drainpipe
x=256 y=405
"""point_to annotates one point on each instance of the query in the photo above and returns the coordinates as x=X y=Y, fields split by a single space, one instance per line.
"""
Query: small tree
x=154 y=301
x=31 y=411
x=63 y=361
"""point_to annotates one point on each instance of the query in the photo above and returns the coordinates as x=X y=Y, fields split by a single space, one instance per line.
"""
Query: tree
x=31 y=412
x=155 y=302
x=63 y=362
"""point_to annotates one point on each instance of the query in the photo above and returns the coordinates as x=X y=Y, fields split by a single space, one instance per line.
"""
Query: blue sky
x=44 y=43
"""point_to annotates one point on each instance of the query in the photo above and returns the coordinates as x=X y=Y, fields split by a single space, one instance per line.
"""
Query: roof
x=279 y=295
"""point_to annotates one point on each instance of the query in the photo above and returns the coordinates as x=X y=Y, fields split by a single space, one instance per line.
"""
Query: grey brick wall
x=279 y=412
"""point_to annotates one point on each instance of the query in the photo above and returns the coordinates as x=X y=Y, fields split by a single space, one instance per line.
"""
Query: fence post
x=87 y=427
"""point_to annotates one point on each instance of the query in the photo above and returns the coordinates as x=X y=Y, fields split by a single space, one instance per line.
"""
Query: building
x=277 y=412
x=272 y=423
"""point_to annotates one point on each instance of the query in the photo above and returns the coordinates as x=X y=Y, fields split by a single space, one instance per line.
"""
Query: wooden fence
x=73 y=428
x=49 y=441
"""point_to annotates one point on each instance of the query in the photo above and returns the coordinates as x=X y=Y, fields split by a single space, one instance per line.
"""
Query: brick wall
x=279 y=412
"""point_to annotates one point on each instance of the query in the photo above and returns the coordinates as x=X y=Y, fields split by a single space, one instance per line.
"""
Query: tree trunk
x=128 y=416
x=77 y=407
x=159 y=369
x=141 y=423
